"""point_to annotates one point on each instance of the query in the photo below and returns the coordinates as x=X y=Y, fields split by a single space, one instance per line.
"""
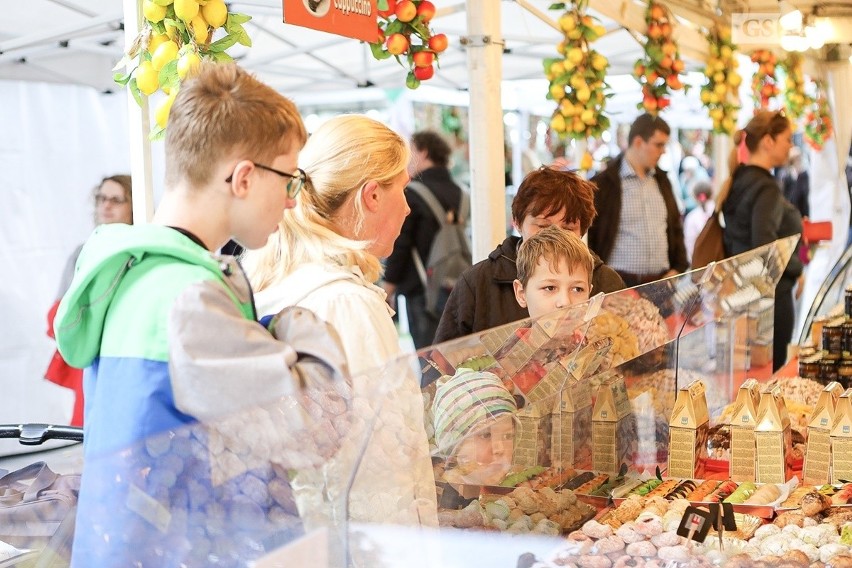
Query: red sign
x=350 y=18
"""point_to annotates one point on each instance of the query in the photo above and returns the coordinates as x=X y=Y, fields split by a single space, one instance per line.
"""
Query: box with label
x=817 y=469
x=688 y=432
x=841 y=439
x=532 y=435
x=743 y=421
x=572 y=425
x=772 y=437
x=613 y=426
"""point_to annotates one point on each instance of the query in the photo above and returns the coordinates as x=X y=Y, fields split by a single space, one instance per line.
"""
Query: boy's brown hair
x=554 y=244
x=547 y=191
x=226 y=112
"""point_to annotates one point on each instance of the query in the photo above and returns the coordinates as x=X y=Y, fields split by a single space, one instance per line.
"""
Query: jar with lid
x=828 y=369
x=832 y=337
x=844 y=372
x=809 y=367
x=847 y=338
x=848 y=297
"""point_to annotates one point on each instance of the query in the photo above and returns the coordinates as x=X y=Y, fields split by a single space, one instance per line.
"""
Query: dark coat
x=484 y=297
x=604 y=229
x=419 y=229
x=756 y=213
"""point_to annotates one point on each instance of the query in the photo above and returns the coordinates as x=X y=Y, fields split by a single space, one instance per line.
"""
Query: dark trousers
x=421 y=323
x=785 y=315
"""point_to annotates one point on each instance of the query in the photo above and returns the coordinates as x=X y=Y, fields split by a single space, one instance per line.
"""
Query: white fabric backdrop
x=58 y=142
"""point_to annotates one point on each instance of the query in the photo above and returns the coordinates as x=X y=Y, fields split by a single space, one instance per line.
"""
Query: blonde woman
x=325 y=257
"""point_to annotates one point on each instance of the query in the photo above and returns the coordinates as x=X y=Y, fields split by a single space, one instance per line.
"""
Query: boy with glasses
x=165 y=327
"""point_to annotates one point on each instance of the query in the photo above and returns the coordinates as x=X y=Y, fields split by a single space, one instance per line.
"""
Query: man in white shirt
x=638 y=231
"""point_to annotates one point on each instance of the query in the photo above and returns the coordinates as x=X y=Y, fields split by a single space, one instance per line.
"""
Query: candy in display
x=764 y=495
x=722 y=491
x=703 y=490
x=741 y=493
x=682 y=490
x=579 y=480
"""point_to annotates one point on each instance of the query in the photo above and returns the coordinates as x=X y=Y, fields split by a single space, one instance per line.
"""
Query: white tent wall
x=59 y=142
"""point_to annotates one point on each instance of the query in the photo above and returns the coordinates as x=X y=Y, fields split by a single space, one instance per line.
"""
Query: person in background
x=554 y=271
x=325 y=257
x=692 y=172
x=113 y=204
x=695 y=220
x=796 y=182
x=484 y=297
x=756 y=212
x=172 y=341
x=638 y=230
x=430 y=162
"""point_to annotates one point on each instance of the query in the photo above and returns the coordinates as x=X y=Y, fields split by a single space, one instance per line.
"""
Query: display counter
x=576 y=439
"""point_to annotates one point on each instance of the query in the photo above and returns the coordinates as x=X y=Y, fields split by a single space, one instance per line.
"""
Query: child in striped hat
x=474 y=419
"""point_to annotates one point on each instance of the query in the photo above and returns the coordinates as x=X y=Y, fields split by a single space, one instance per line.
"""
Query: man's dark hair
x=437 y=149
x=645 y=126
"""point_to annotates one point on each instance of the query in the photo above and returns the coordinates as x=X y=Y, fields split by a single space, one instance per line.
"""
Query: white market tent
x=64 y=130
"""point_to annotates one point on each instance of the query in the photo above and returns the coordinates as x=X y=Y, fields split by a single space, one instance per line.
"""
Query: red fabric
x=63 y=374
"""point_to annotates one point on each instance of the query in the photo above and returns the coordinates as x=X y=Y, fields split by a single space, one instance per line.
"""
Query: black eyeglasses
x=295 y=181
x=101 y=199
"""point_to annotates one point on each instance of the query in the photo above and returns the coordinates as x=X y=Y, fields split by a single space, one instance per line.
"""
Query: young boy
x=554 y=271
x=166 y=328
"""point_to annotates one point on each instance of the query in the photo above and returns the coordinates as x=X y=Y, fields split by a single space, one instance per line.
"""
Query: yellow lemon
x=557 y=91
x=579 y=126
x=186 y=9
x=588 y=116
x=557 y=123
x=153 y=12
x=705 y=97
x=575 y=55
x=576 y=33
x=599 y=62
x=156 y=41
x=147 y=78
x=567 y=22
x=586 y=161
x=557 y=68
x=199 y=29
x=166 y=52
x=161 y=115
x=728 y=124
x=188 y=64
x=583 y=95
x=215 y=12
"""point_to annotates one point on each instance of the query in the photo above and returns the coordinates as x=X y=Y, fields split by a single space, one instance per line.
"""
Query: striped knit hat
x=463 y=402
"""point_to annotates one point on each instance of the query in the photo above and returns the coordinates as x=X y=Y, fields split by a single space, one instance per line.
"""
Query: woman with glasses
x=112 y=205
x=325 y=257
x=756 y=212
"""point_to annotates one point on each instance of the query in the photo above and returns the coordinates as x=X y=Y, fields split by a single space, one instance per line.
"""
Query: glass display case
x=830 y=300
x=503 y=431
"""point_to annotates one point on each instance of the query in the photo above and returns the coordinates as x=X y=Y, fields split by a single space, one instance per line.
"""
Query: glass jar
x=809 y=367
x=844 y=373
x=829 y=370
x=832 y=337
x=847 y=338
x=848 y=296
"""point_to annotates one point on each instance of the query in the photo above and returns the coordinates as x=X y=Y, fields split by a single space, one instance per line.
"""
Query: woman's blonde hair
x=343 y=154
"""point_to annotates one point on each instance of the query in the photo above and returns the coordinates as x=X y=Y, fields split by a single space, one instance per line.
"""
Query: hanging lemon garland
x=796 y=100
x=659 y=70
x=818 y=125
x=577 y=77
x=404 y=32
x=175 y=36
x=764 y=85
x=720 y=93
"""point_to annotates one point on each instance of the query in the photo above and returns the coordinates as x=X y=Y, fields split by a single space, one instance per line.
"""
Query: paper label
x=771 y=454
x=604 y=446
x=817 y=457
x=682 y=452
x=742 y=453
x=841 y=452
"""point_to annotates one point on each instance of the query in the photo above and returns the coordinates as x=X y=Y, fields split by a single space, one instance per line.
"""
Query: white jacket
x=395 y=483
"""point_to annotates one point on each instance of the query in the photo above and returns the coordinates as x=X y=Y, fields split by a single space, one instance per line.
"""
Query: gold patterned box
x=817 y=469
x=841 y=439
x=772 y=437
x=613 y=426
x=743 y=421
x=688 y=432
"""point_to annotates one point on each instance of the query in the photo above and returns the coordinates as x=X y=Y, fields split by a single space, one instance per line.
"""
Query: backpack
x=449 y=254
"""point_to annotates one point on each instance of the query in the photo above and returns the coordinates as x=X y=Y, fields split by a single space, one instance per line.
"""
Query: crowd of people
x=318 y=216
